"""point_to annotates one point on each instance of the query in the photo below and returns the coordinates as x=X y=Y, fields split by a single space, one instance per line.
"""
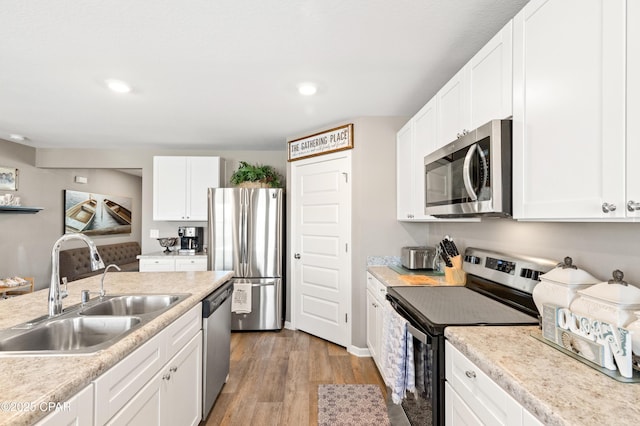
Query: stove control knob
x=472 y=259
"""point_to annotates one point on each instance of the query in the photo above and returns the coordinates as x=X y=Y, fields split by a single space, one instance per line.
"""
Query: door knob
x=296 y=256
x=633 y=206
x=607 y=208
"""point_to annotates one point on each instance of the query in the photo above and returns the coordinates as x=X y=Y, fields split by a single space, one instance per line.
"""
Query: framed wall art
x=96 y=214
x=8 y=179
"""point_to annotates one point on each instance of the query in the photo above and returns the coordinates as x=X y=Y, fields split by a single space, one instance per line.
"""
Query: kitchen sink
x=86 y=329
x=68 y=335
x=132 y=304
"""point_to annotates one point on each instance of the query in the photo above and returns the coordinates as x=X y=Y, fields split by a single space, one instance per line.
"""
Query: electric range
x=498 y=291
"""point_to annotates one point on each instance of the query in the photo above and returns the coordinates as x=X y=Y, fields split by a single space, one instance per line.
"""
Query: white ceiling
x=222 y=74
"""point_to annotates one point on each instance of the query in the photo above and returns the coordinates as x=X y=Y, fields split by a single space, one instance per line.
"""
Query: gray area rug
x=351 y=405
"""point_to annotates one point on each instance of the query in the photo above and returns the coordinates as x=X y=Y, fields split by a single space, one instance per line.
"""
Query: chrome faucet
x=55 y=294
x=86 y=294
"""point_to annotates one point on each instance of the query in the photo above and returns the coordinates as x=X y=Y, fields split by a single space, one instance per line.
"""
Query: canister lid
x=615 y=291
x=569 y=274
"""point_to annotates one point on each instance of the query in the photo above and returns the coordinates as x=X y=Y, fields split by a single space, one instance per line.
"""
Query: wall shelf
x=19 y=209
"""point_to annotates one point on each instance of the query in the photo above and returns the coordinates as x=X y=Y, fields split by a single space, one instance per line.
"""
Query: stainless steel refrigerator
x=245 y=235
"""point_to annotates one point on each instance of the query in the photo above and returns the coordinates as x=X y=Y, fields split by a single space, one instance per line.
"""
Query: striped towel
x=396 y=354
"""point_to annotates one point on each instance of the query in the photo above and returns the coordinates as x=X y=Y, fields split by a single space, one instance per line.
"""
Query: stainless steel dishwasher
x=216 y=326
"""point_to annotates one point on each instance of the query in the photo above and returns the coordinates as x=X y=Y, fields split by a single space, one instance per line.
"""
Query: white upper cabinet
x=491 y=79
x=569 y=110
x=633 y=109
x=454 y=108
x=415 y=140
x=404 y=192
x=480 y=92
x=180 y=186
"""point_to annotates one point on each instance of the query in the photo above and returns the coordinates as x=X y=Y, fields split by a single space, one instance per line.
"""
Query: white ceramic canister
x=560 y=285
x=634 y=329
x=614 y=301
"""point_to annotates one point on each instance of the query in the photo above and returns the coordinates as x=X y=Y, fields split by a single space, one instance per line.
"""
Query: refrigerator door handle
x=243 y=233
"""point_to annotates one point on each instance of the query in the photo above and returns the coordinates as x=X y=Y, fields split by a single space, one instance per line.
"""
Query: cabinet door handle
x=633 y=206
x=173 y=369
x=166 y=377
x=470 y=374
x=296 y=256
x=607 y=208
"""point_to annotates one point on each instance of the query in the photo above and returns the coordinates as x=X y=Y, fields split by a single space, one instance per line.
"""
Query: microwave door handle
x=485 y=167
x=466 y=173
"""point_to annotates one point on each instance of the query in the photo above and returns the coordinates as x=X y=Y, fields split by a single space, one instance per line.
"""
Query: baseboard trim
x=289 y=326
x=359 y=352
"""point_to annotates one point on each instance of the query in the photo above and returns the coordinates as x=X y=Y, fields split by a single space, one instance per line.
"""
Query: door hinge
x=346 y=247
x=346 y=318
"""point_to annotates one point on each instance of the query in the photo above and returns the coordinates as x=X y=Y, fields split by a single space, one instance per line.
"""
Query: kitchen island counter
x=30 y=381
x=554 y=387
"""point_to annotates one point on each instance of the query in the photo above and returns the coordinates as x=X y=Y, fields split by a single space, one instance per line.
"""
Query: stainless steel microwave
x=471 y=176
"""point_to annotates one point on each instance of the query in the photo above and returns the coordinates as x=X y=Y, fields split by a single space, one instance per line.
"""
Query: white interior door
x=321 y=238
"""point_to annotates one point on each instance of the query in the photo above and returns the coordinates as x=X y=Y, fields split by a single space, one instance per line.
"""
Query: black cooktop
x=438 y=307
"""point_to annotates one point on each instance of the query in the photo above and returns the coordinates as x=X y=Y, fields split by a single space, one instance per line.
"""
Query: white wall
x=143 y=159
x=596 y=247
x=27 y=239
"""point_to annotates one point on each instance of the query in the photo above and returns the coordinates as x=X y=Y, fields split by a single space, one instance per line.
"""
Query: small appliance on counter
x=191 y=239
x=417 y=257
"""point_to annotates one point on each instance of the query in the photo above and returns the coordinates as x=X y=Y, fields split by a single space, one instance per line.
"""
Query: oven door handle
x=417 y=333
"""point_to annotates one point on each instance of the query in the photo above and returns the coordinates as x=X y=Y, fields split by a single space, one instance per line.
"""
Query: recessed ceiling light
x=118 y=86
x=307 y=89
x=17 y=138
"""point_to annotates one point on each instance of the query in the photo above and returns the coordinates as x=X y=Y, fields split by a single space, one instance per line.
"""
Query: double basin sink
x=88 y=328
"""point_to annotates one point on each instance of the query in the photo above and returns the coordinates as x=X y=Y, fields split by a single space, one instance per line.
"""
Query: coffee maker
x=191 y=239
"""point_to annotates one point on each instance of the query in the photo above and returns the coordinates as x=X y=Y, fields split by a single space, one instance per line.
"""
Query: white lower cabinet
x=472 y=398
x=376 y=293
x=170 y=264
x=160 y=383
x=77 y=411
x=457 y=412
x=191 y=264
x=157 y=265
x=173 y=396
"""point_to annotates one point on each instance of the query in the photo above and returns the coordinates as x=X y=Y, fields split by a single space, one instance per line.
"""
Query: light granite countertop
x=35 y=380
x=554 y=387
x=171 y=254
x=391 y=278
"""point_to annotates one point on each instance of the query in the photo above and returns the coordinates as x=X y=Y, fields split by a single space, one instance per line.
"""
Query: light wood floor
x=274 y=378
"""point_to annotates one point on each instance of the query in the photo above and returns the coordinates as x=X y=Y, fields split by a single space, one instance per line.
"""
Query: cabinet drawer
x=157 y=265
x=378 y=290
x=491 y=403
x=180 y=332
x=191 y=264
x=119 y=384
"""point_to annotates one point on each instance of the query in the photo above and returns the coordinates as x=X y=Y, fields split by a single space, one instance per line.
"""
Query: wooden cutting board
x=419 y=280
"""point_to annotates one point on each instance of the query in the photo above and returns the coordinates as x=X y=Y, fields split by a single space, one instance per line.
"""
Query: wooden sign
x=333 y=140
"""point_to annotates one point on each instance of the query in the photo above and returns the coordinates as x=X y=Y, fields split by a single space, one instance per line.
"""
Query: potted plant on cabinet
x=255 y=176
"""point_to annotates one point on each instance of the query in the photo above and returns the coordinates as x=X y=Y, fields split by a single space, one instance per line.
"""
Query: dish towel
x=241 y=298
x=397 y=354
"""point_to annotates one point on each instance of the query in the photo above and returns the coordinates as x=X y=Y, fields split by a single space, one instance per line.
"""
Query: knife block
x=455 y=275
